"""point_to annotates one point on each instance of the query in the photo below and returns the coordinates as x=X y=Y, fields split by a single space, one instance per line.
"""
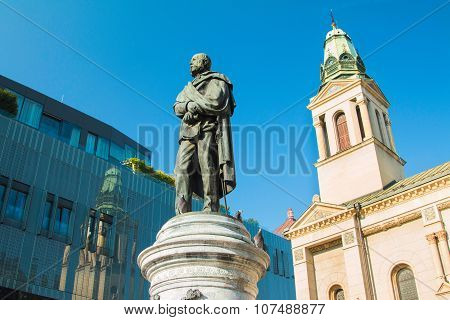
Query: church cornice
x=432 y=186
x=359 y=146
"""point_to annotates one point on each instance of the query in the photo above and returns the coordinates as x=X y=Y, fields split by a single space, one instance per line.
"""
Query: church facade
x=371 y=233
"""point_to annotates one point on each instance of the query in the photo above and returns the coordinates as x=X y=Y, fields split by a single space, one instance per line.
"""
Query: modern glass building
x=73 y=219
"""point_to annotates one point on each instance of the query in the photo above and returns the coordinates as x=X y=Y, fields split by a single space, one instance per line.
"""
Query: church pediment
x=316 y=212
x=374 y=87
x=332 y=88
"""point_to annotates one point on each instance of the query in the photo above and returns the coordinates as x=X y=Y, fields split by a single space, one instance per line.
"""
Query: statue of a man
x=205 y=164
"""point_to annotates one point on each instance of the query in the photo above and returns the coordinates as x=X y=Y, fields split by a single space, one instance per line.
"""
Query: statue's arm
x=180 y=108
x=214 y=102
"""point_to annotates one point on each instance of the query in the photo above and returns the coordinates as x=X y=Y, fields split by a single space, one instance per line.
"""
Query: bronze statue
x=205 y=164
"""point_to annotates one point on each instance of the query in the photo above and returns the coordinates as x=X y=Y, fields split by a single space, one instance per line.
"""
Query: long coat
x=211 y=94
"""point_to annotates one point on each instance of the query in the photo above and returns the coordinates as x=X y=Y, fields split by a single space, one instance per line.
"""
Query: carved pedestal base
x=203 y=256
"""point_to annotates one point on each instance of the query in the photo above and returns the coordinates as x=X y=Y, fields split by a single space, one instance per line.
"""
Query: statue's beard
x=198 y=70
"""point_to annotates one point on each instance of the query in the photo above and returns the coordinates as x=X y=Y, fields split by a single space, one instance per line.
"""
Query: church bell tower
x=357 y=154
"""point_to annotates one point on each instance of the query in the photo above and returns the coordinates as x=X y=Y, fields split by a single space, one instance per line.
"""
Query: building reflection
x=109 y=237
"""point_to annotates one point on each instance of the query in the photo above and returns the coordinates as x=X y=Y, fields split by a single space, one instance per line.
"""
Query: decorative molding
x=375 y=207
x=192 y=295
x=359 y=146
x=329 y=245
x=349 y=238
x=441 y=235
x=321 y=224
x=431 y=238
x=298 y=255
x=319 y=215
x=393 y=223
x=429 y=214
x=443 y=206
x=407 y=195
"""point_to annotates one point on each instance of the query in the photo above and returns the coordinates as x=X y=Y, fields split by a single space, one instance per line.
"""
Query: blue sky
x=271 y=50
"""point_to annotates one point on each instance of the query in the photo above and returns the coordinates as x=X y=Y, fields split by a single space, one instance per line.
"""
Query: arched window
x=342 y=132
x=360 y=123
x=336 y=293
x=404 y=283
x=379 y=126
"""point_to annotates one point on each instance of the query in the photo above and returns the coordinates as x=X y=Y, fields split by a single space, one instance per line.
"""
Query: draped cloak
x=211 y=94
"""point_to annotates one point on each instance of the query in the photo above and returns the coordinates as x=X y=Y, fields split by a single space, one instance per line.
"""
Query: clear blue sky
x=270 y=50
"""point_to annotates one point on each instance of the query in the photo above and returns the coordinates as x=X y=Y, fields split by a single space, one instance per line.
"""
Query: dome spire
x=341 y=59
x=333 y=23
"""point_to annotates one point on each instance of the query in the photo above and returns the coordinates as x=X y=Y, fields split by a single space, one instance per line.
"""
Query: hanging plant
x=8 y=102
x=138 y=165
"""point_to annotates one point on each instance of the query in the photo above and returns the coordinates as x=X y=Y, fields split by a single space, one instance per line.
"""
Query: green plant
x=138 y=165
x=8 y=102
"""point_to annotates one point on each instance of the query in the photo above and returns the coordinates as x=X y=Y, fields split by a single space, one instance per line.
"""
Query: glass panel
x=70 y=134
x=117 y=152
x=50 y=126
x=90 y=143
x=31 y=113
x=16 y=205
x=103 y=148
x=2 y=194
x=47 y=215
x=130 y=152
x=64 y=227
x=57 y=226
x=407 y=289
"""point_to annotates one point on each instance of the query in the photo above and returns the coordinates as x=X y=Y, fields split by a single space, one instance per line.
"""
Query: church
x=372 y=233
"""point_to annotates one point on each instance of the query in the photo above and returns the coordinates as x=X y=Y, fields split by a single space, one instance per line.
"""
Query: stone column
x=321 y=144
x=305 y=284
x=390 y=136
x=436 y=258
x=444 y=252
x=363 y=107
x=354 y=267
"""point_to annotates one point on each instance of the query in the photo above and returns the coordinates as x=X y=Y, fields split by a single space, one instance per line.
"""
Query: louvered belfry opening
x=342 y=132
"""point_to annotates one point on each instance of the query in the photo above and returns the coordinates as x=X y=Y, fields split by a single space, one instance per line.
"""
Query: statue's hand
x=189 y=118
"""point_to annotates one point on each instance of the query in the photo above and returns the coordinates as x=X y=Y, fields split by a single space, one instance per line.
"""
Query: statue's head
x=200 y=63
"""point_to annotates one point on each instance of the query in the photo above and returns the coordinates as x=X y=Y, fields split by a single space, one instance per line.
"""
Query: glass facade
x=72 y=223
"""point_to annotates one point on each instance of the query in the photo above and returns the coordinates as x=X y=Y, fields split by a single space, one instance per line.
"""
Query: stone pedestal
x=203 y=256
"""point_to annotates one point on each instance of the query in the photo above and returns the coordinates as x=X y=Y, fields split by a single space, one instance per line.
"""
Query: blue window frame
x=130 y=152
x=2 y=194
x=47 y=214
x=50 y=126
x=62 y=217
x=91 y=143
x=30 y=113
x=70 y=133
x=102 y=148
x=117 y=152
x=16 y=204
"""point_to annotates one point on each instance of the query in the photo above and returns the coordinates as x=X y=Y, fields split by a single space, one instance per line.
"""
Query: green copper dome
x=340 y=60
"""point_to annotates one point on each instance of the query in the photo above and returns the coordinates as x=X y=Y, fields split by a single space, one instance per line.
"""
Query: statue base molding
x=201 y=255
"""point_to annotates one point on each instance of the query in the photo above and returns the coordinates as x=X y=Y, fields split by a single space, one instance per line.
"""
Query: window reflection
x=62 y=217
x=91 y=143
x=108 y=230
x=16 y=204
x=47 y=213
x=50 y=126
